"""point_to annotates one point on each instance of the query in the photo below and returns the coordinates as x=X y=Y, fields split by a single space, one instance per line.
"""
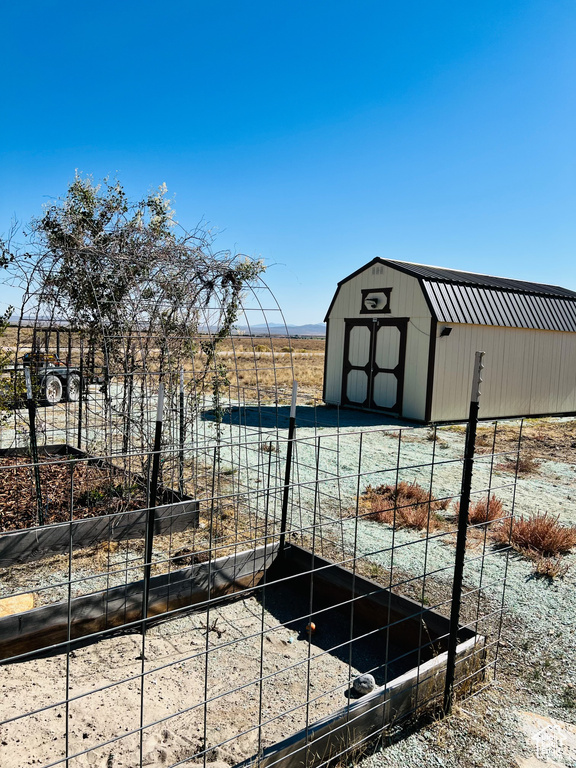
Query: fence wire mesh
x=187 y=625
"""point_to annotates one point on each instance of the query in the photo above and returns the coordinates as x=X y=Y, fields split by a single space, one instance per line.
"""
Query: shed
x=401 y=338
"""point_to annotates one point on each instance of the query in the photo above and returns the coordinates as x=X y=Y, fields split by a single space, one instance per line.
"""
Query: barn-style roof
x=466 y=297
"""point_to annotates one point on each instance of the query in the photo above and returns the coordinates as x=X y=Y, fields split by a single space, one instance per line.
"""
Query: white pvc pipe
x=160 y=407
x=293 y=405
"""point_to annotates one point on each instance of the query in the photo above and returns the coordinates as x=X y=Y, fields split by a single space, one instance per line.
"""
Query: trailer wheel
x=52 y=389
x=73 y=388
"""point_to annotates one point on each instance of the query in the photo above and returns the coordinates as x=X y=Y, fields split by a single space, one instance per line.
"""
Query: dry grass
x=541 y=438
x=484 y=511
x=269 y=363
x=406 y=505
x=551 y=567
x=268 y=446
x=484 y=439
x=526 y=464
x=541 y=535
x=433 y=435
x=263 y=363
x=264 y=370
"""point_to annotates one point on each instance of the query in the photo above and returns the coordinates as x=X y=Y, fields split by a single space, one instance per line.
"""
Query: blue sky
x=314 y=135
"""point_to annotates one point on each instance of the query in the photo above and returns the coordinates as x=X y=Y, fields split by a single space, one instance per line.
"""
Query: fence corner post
x=467 y=470
x=151 y=514
x=289 y=447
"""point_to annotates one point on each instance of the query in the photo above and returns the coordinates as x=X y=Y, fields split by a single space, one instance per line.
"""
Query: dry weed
x=541 y=535
x=542 y=438
x=484 y=438
x=268 y=447
x=525 y=464
x=483 y=511
x=551 y=567
x=433 y=435
x=406 y=505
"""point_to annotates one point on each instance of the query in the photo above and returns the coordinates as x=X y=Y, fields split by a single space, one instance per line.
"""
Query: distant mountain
x=272 y=329
x=312 y=329
x=278 y=329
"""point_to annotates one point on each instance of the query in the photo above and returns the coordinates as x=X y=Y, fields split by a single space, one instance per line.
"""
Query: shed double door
x=374 y=352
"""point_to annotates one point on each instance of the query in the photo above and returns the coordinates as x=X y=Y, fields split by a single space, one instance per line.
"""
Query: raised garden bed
x=107 y=504
x=275 y=693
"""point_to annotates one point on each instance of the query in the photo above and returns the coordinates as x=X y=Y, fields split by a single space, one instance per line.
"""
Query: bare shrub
x=484 y=511
x=525 y=464
x=484 y=438
x=268 y=447
x=433 y=435
x=551 y=567
x=405 y=505
x=541 y=535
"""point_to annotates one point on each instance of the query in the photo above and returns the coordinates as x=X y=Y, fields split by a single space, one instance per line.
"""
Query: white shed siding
x=567 y=374
x=416 y=371
x=406 y=301
x=527 y=372
x=334 y=361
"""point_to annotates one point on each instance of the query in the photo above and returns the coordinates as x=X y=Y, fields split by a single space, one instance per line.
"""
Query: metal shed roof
x=465 y=297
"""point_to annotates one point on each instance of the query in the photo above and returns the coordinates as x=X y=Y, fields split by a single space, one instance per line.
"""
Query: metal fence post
x=151 y=516
x=80 y=404
x=129 y=375
x=182 y=436
x=34 y=443
x=462 y=530
x=289 y=447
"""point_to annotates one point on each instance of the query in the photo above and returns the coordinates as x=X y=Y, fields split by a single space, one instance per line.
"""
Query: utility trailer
x=55 y=380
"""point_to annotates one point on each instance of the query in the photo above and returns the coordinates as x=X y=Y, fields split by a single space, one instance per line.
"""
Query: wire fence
x=227 y=580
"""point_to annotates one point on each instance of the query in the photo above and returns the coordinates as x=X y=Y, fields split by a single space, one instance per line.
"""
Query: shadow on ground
x=307 y=416
x=368 y=651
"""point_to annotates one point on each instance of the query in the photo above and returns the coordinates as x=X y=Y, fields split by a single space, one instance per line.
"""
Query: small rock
x=364 y=683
